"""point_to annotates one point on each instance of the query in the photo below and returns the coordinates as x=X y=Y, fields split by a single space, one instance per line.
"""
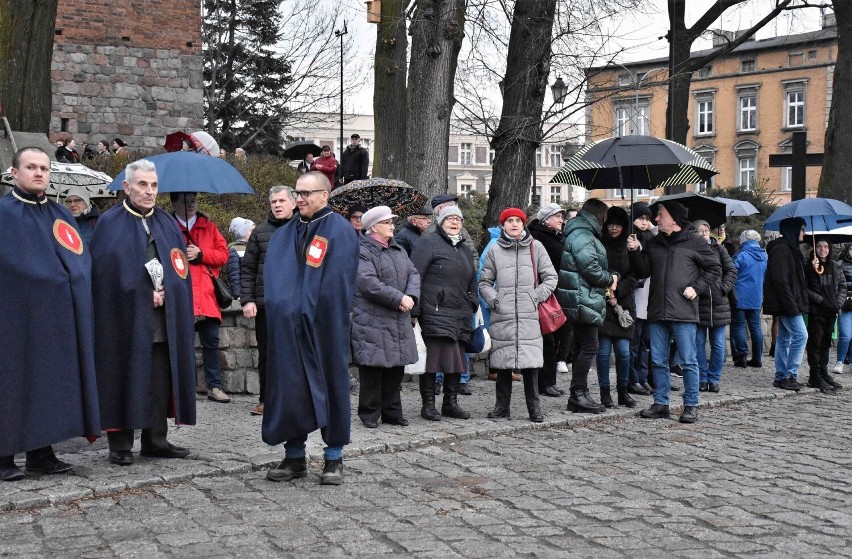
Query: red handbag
x=550 y=314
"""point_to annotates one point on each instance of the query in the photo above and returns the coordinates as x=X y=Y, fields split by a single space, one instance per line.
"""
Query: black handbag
x=222 y=290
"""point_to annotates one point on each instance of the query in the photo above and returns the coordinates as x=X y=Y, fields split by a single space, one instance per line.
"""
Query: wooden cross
x=799 y=160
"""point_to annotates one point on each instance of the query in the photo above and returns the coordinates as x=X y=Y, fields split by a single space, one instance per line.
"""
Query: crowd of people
x=326 y=290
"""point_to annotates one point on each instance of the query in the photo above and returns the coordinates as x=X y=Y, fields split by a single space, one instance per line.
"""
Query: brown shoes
x=218 y=395
x=257 y=410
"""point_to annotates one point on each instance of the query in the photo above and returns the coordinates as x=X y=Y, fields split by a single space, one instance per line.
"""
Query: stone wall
x=238 y=348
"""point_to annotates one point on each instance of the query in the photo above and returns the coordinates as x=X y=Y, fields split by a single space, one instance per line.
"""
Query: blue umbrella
x=184 y=171
x=820 y=214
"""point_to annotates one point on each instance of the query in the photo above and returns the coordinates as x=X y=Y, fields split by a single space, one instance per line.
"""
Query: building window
x=465 y=189
x=705 y=72
x=556 y=194
x=631 y=120
x=708 y=152
x=786 y=179
x=795 y=108
x=748 y=112
x=538 y=157
x=491 y=155
x=796 y=58
x=466 y=154
x=555 y=156
x=624 y=193
x=747 y=173
x=812 y=54
x=747 y=65
x=625 y=80
x=704 y=115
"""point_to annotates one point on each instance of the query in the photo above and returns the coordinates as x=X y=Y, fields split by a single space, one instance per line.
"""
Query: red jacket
x=327 y=166
x=214 y=254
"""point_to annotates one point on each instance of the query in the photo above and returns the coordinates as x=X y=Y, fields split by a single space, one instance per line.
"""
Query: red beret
x=513 y=212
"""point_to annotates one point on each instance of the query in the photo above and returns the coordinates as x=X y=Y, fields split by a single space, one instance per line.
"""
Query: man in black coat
x=354 y=163
x=415 y=225
x=785 y=295
x=282 y=204
x=683 y=266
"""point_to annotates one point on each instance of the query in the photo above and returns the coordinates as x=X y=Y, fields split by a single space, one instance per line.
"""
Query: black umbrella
x=703 y=207
x=402 y=198
x=298 y=150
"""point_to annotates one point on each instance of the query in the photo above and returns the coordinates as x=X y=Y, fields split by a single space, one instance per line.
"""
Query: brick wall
x=131 y=69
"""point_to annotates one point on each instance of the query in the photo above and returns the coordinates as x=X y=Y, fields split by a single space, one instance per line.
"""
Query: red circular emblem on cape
x=180 y=263
x=67 y=236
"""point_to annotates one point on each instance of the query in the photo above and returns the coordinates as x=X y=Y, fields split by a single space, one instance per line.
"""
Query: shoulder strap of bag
x=532 y=261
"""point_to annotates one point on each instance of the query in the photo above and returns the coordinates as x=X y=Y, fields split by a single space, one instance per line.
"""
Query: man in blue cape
x=145 y=350
x=47 y=373
x=309 y=283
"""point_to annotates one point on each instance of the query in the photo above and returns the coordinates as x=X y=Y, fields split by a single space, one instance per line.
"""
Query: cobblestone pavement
x=765 y=478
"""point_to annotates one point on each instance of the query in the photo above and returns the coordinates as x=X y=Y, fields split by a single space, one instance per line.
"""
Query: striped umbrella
x=634 y=162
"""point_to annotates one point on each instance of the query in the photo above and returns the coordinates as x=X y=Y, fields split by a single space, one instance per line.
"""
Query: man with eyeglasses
x=309 y=279
x=415 y=225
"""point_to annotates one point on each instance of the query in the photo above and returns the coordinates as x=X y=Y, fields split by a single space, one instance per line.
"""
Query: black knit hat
x=677 y=210
x=640 y=209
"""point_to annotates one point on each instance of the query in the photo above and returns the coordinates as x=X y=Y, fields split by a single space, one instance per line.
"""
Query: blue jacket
x=751 y=269
x=483 y=306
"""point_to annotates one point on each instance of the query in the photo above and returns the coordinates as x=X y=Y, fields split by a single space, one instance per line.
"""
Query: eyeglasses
x=305 y=193
x=453 y=219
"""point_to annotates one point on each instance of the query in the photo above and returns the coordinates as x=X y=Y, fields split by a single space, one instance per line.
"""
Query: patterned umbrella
x=402 y=198
x=634 y=162
x=67 y=175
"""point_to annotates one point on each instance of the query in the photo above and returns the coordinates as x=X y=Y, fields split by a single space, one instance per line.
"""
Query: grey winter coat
x=382 y=335
x=506 y=284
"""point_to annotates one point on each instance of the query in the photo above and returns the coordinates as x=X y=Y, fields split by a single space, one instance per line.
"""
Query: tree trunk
x=837 y=165
x=389 y=95
x=26 y=52
x=680 y=79
x=437 y=30
x=524 y=86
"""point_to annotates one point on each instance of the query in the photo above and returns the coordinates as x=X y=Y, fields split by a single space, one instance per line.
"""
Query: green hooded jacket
x=583 y=271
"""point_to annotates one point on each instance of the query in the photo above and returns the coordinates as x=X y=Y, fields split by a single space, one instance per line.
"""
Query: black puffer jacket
x=680 y=260
x=552 y=240
x=846 y=264
x=251 y=269
x=785 y=292
x=631 y=267
x=714 y=308
x=449 y=294
x=826 y=292
x=407 y=237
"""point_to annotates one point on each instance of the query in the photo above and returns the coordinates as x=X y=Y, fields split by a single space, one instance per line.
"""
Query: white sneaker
x=838 y=368
x=561 y=367
x=218 y=395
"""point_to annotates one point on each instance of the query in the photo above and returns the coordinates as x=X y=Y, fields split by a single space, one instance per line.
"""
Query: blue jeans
x=208 y=334
x=683 y=334
x=739 y=347
x=639 y=352
x=844 y=335
x=296 y=449
x=713 y=373
x=790 y=346
x=622 y=360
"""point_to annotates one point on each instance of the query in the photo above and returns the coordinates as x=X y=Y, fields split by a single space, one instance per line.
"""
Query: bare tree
x=837 y=166
x=437 y=30
x=389 y=95
x=26 y=51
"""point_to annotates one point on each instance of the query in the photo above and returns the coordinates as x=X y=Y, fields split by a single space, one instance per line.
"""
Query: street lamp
x=340 y=34
x=559 y=90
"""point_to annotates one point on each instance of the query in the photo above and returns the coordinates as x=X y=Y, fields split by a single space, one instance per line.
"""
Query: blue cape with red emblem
x=48 y=391
x=309 y=282
x=124 y=308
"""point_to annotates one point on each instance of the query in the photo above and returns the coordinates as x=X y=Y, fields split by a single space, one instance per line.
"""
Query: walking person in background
x=714 y=314
x=449 y=296
x=387 y=287
x=326 y=164
x=119 y=147
x=751 y=270
x=354 y=162
x=584 y=277
x=785 y=296
x=516 y=277
x=844 y=325
x=616 y=332
x=282 y=204
x=826 y=296
x=546 y=228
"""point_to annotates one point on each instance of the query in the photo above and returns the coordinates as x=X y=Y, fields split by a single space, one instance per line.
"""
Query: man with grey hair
x=415 y=225
x=144 y=335
x=282 y=204
x=750 y=263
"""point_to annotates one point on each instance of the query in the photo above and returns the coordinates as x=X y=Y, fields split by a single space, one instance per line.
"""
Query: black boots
x=740 y=361
x=656 y=411
x=606 y=398
x=289 y=469
x=450 y=407
x=624 y=398
x=816 y=381
x=427 y=393
x=581 y=402
x=531 y=395
x=504 y=395
x=827 y=378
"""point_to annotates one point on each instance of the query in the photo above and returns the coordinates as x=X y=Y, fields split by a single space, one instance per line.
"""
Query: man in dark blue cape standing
x=145 y=350
x=309 y=283
x=47 y=371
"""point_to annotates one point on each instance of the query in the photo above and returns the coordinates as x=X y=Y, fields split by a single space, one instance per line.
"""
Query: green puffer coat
x=583 y=272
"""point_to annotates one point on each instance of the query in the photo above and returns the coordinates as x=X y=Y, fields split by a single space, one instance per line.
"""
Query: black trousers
x=262 y=335
x=379 y=393
x=820 y=329
x=37 y=456
x=556 y=348
x=154 y=436
x=585 y=351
